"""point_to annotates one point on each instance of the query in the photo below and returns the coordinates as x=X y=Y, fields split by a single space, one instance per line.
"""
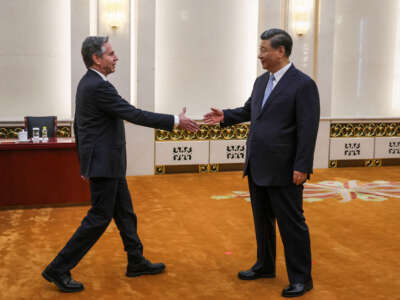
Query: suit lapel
x=282 y=84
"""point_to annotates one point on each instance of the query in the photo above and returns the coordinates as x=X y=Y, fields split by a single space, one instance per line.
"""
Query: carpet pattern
x=201 y=226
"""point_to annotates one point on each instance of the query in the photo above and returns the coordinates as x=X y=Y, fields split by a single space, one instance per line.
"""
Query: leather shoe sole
x=254 y=276
x=145 y=272
x=308 y=286
x=50 y=278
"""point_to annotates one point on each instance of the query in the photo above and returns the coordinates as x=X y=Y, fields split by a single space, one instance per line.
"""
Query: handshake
x=213 y=117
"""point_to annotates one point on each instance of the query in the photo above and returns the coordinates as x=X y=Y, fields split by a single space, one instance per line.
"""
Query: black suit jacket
x=283 y=133
x=99 y=127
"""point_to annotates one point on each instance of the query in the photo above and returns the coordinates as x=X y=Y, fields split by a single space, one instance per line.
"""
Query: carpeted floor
x=201 y=226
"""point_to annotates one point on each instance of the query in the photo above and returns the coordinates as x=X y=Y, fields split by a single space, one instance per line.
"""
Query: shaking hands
x=213 y=117
x=186 y=123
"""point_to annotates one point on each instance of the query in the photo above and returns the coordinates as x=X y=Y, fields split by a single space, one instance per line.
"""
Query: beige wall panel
x=35 y=58
x=351 y=148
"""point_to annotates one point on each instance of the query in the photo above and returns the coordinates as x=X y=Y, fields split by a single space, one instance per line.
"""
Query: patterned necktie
x=268 y=90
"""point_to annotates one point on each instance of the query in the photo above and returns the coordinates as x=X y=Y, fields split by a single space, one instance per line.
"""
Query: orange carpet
x=201 y=226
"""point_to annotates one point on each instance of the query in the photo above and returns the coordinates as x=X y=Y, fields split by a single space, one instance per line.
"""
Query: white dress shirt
x=279 y=74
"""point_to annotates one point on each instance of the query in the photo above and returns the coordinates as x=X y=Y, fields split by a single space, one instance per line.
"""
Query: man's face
x=107 y=62
x=270 y=58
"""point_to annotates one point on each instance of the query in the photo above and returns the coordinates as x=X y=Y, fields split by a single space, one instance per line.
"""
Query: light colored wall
x=206 y=53
x=140 y=140
x=303 y=46
x=366 y=77
x=321 y=154
x=35 y=60
x=80 y=29
x=325 y=56
x=120 y=41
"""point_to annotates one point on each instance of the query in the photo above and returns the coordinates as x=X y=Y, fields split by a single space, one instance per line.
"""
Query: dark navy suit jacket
x=99 y=127
x=283 y=133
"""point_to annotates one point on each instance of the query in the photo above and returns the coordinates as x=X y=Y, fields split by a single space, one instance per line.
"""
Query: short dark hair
x=278 y=37
x=93 y=45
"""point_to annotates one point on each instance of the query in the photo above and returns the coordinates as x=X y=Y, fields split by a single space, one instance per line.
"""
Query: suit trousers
x=285 y=205
x=110 y=199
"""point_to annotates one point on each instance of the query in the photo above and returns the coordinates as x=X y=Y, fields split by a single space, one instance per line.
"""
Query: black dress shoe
x=251 y=275
x=297 y=289
x=145 y=267
x=63 y=281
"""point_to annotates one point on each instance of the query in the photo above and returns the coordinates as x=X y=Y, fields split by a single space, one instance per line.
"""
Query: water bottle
x=44 y=134
x=35 y=135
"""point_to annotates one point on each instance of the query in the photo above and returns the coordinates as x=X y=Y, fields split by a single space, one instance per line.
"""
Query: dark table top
x=52 y=143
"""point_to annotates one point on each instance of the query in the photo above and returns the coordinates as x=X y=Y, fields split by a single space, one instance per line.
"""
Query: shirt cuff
x=176 y=121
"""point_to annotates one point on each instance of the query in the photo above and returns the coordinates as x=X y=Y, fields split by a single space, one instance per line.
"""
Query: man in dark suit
x=284 y=112
x=100 y=137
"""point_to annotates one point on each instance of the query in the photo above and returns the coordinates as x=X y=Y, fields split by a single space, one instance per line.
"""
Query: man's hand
x=214 y=117
x=299 y=177
x=186 y=123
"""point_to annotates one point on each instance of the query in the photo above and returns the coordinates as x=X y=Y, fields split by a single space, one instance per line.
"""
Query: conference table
x=42 y=173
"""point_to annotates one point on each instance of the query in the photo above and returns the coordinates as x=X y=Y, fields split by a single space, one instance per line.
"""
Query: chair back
x=50 y=122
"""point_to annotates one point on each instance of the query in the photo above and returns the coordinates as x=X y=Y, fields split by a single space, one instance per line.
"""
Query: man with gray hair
x=100 y=138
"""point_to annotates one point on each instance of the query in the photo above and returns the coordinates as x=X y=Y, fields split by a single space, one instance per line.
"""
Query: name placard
x=351 y=148
x=182 y=153
x=230 y=151
x=387 y=147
